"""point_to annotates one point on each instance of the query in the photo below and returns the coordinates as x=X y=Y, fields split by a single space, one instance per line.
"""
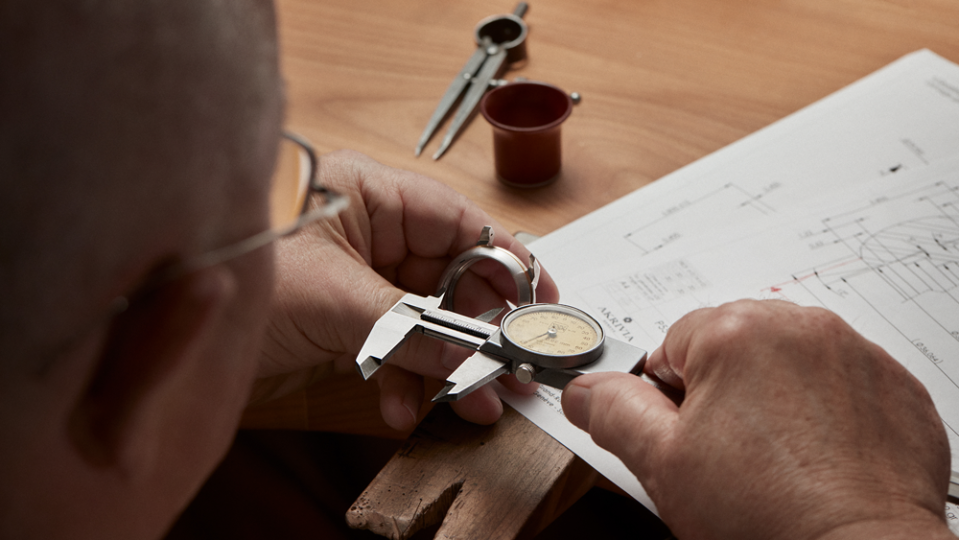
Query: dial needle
x=551 y=333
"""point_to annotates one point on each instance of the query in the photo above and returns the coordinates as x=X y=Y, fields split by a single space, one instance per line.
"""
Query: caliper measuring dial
x=547 y=343
x=552 y=335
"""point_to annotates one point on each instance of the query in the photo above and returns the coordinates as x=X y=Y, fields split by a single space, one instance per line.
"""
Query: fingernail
x=412 y=408
x=576 y=405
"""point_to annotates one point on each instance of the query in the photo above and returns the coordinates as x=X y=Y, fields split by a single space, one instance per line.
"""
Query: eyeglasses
x=295 y=179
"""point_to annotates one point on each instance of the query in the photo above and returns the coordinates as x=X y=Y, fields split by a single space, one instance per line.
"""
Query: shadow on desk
x=297 y=484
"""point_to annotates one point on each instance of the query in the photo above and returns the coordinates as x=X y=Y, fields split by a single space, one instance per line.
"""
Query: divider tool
x=499 y=39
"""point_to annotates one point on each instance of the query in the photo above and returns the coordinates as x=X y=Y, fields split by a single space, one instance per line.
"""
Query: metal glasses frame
x=333 y=204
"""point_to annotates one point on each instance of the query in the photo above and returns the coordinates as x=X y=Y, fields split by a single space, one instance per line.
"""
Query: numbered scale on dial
x=552 y=336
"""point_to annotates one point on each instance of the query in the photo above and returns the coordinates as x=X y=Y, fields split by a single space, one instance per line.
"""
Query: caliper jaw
x=480 y=368
x=474 y=372
x=418 y=314
x=489 y=363
x=391 y=331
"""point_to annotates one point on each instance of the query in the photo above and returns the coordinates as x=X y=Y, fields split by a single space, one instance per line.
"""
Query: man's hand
x=793 y=426
x=337 y=277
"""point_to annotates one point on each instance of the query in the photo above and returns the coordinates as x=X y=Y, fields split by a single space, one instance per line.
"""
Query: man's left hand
x=337 y=277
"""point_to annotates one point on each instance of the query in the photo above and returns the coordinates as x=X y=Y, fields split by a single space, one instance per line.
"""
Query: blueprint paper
x=896 y=124
x=884 y=256
x=850 y=204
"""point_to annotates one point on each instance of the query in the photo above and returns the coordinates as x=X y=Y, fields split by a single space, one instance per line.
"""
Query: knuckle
x=821 y=320
x=735 y=321
x=757 y=318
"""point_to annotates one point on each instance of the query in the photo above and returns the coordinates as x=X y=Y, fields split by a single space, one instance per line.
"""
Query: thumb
x=326 y=301
x=623 y=414
x=368 y=299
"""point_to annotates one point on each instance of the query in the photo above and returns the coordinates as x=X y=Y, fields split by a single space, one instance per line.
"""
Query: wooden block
x=508 y=480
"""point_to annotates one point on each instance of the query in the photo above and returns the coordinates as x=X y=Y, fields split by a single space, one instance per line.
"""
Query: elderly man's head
x=132 y=135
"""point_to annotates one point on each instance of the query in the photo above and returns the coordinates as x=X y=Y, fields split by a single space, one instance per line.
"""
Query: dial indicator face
x=553 y=335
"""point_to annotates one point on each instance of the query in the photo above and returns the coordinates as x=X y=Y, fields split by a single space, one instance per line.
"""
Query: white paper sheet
x=952 y=518
x=851 y=204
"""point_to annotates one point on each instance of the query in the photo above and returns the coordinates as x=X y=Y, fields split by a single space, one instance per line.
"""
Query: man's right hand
x=793 y=426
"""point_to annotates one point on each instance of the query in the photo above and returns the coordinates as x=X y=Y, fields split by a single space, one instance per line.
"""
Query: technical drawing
x=912 y=256
x=897 y=258
x=659 y=232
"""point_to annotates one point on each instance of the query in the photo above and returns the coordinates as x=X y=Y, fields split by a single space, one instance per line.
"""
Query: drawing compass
x=546 y=343
x=500 y=40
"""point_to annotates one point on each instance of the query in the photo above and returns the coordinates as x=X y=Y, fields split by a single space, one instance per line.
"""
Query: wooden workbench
x=664 y=82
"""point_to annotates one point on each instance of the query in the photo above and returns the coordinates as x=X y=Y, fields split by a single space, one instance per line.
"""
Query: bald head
x=132 y=132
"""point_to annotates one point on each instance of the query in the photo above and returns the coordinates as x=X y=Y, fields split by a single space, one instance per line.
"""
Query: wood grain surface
x=472 y=481
x=664 y=82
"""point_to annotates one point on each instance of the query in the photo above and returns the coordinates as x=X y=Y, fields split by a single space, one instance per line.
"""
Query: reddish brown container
x=526 y=119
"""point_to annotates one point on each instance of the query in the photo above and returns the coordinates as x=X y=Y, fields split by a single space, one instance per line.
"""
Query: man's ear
x=147 y=348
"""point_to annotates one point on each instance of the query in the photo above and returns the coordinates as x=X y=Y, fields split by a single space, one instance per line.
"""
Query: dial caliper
x=546 y=343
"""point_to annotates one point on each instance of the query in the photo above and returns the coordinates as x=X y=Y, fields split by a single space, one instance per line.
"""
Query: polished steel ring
x=525 y=277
